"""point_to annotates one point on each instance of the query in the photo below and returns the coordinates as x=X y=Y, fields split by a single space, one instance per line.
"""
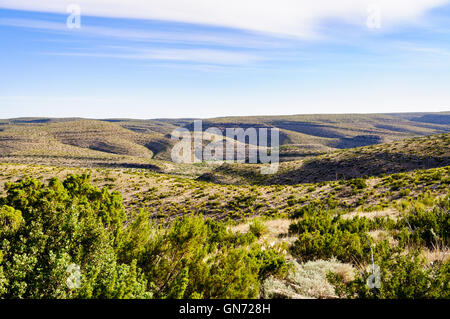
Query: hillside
x=46 y=139
x=305 y=135
x=104 y=195
x=77 y=142
x=310 y=241
x=400 y=156
x=167 y=196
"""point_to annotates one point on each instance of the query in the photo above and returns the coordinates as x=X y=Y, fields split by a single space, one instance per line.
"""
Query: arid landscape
x=224 y=158
x=80 y=142
x=365 y=178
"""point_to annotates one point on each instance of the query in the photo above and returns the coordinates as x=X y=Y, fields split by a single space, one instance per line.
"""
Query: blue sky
x=153 y=62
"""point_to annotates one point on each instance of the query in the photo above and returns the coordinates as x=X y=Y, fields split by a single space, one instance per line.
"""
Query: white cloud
x=206 y=56
x=432 y=51
x=168 y=36
x=220 y=57
x=288 y=17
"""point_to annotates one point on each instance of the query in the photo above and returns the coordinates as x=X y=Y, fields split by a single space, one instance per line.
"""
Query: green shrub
x=327 y=235
x=10 y=219
x=359 y=183
x=63 y=224
x=426 y=226
x=401 y=276
x=316 y=207
x=270 y=262
x=47 y=228
x=257 y=228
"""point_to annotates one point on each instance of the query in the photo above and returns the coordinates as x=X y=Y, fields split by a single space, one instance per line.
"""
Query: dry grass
x=308 y=280
x=389 y=212
x=439 y=253
x=277 y=231
x=380 y=235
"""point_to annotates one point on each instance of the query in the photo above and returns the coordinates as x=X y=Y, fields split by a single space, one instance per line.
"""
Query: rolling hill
x=318 y=212
x=389 y=158
x=148 y=143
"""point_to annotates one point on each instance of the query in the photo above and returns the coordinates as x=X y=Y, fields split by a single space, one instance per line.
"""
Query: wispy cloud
x=427 y=50
x=286 y=17
x=225 y=55
x=133 y=34
x=220 y=57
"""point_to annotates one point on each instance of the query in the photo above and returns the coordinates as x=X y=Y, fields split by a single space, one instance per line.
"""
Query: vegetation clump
x=50 y=229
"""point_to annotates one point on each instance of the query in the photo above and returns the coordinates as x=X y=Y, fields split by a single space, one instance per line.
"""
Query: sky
x=206 y=58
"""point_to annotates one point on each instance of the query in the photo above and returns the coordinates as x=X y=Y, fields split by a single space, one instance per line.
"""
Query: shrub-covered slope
x=400 y=156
